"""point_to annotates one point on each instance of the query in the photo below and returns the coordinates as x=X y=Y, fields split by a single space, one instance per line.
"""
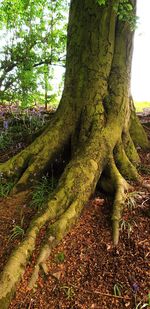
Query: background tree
x=93 y=120
x=36 y=36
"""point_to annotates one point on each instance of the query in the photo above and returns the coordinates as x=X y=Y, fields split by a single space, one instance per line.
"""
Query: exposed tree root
x=15 y=267
x=129 y=148
x=55 y=234
x=125 y=166
x=74 y=189
x=137 y=132
x=33 y=160
x=121 y=187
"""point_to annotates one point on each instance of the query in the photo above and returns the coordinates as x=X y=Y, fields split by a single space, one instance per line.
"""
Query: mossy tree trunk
x=94 y=115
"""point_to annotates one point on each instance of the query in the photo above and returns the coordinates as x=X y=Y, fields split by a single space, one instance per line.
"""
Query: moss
x=137 y=132
x=130 y=149
x=125 y=166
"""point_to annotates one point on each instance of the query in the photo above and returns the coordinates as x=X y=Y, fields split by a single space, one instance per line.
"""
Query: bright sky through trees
x=141 y=57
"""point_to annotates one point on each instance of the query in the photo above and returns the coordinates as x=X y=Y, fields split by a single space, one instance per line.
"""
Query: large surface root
x=74 y=189
x=130 y=149
x=33 y=160
x=15 y=267
x=55 y=234
x=137 y=132
x=121 y=187
x=127 y=169
x=115 y=184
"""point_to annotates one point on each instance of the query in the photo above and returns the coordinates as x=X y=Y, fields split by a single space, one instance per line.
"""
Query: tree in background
x=34 y=37
x=96 y=119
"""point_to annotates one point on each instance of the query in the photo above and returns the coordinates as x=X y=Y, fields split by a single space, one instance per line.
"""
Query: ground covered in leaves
x=85 y=270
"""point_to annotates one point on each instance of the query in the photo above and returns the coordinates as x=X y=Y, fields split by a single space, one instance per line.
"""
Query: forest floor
x=85 y=270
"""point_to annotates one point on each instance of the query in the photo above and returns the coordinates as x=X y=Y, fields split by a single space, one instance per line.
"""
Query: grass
x=142 y=305
x=127 y=226
x=5 y=140
x=117 y=289
x=60 y=257
x=68 y=291
x=41 y=191
x=20 y=126
x=131 y=200
x=140 y=105
x=17 y=231
x=5 y=188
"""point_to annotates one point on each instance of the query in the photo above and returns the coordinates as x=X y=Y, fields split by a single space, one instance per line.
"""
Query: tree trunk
x=94 y=115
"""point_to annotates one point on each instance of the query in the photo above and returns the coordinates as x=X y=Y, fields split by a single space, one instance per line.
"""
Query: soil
x=85 y=271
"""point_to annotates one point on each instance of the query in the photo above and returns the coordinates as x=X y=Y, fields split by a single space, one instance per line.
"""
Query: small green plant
x=125 y=225
x=5 y=188
x=131 y=200
x=117 y=289
x=5 y=140
x=20 y=125
x=17 y=231
x=60 y=257
x=141 y=305
x=41 y=192
x=69 y=291
x=101 y=2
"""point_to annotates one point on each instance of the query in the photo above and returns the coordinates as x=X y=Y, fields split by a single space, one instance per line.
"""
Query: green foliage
x=117 y=289
x=5 y=140
x=139 y=106
x=33 y=34
x=19 y=126
x=142 y=305
x=131 y=200
x=126 y=225
x=126 y=13
x=101 y=2
x=60 y=257
x=69 y=291
x=5 y=188
x=17 y=231
x=41 y=192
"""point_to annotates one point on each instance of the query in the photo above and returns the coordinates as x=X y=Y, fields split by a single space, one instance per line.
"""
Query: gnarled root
x=34 y=159
x=74 y=189
x=55 y=234
x=127 y=169
x=121 y=187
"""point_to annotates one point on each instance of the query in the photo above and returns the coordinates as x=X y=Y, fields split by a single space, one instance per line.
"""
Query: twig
x=109 y=295
x=31 y=302
x=145 y=201
x=103 y=294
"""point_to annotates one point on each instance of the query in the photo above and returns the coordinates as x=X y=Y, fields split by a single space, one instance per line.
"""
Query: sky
x=140 y=85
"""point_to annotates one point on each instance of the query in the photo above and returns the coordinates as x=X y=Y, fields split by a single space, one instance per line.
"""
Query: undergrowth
x=5 y=188
x=19 y=126
x=41 y=192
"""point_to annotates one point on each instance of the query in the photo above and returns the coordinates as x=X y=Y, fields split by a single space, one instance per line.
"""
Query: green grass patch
x=5 y=188
x=140 y=105
x=60 y=257
x=41 y=191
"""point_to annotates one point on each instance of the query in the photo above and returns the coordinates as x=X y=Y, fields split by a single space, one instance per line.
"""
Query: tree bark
x=95 y=115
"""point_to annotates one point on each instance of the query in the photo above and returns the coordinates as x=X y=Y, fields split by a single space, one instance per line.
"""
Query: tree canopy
x=33 y=36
